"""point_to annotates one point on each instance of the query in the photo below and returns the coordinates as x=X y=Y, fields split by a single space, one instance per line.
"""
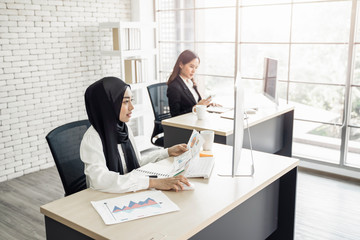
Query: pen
x=178 y=173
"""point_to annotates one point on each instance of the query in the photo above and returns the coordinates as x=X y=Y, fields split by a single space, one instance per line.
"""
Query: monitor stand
x=245 y=168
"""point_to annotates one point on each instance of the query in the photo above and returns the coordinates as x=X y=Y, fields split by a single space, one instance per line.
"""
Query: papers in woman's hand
x=194 y=145
x=164 y=169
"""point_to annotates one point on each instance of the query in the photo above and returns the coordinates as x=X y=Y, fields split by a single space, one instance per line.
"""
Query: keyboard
x=215 y=109
x=230 y=115
x=200 y=167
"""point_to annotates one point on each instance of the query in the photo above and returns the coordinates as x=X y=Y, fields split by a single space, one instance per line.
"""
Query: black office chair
x=160 y=105
x=64 y=143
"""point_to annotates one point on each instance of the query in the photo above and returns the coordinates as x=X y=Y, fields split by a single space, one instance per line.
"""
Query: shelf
x=133 y=45
x=127 y=25
x=130 y=54
x=109 y=25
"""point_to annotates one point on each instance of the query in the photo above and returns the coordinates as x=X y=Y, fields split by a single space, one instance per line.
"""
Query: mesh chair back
x=64 y=143
x=160 y=105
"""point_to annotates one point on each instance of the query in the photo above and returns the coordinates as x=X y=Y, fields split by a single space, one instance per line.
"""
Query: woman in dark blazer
x=182 y=90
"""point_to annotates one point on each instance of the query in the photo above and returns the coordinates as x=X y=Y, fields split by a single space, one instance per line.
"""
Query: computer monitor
x=270 y=79
x=239 y=166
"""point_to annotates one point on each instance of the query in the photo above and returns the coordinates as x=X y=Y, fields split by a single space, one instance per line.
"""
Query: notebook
x=217 y=109
x=157 y=169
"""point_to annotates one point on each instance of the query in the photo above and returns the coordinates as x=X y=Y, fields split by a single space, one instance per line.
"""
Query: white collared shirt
x=190 y=85
x=100 y=178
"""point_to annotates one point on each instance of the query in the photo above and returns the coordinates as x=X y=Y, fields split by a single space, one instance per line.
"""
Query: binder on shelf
x=115 y=33
x=130 y=39
x=135 y=70
x=129 y=67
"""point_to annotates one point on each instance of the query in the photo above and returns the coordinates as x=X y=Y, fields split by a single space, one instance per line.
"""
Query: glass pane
x=169 y=53
x=252 y=90
x=252 y=86
x=221 y=87
x=252 y=59
x=321 y=22
x=308 y=63
x=265 y=24
x=176 y=25
x=317 y=102
x=222 y=3
x=356 y=76
x=216 y=59
x=282 y=90
x=355 y=106
x=353 y=155
x=164 y=76
x=215 y=24
x=175 y=4
x=317 y=141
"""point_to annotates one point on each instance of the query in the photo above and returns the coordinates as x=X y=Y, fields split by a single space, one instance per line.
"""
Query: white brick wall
x=49 y=54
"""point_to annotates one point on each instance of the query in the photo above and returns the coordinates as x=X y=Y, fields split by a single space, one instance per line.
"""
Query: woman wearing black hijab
x=108 y=148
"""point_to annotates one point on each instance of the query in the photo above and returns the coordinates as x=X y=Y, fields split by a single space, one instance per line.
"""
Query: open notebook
x=158 y=169
x=188 y=162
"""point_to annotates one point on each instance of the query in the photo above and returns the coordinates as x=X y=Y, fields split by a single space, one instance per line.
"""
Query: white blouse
x=190 y=86
x=99 y=177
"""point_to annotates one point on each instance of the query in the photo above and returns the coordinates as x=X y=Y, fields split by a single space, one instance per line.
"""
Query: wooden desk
x=271 y=129
x=219 y=207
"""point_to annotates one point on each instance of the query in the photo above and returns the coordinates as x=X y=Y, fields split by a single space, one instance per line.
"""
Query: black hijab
x=103 y=100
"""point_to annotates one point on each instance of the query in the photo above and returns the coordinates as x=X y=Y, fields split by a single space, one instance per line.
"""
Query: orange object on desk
x=206 y=154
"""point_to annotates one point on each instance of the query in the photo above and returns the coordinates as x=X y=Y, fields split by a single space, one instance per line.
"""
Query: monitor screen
x=270 y=79
x=240 y=166
x=238 y=124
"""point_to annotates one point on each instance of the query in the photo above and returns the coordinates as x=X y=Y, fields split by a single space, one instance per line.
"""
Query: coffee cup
x=208 y=137
x=199 y=111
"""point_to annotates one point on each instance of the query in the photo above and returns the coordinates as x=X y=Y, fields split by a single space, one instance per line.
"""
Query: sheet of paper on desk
x=194 y=146
x=134 y=206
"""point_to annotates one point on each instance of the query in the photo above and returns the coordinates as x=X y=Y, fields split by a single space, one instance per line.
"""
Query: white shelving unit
x=133 y=45
x=131 y=41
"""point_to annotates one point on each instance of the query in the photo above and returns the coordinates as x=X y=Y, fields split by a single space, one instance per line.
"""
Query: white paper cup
x=208 y=137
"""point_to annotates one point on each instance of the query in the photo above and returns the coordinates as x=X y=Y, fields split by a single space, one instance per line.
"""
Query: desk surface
x=198 y=208
x=223 y=126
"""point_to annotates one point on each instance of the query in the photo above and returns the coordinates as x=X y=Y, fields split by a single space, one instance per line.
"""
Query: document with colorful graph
x=194 y=146
x=134 y=206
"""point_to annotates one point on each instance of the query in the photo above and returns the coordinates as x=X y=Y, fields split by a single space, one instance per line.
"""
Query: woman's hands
x=205 y=102
x=215 y=105
x=173 y=183
x=177 y=150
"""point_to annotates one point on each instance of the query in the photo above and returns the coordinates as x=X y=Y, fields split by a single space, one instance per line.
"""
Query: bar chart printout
x=134 y=206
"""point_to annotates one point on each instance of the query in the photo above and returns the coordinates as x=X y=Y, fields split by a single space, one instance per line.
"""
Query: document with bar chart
x=134 y=206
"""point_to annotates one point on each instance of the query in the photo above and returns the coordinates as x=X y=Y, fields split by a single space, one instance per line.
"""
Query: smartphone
x=210 y=96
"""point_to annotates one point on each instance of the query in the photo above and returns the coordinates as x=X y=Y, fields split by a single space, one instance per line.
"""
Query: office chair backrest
x=64 y=143
x=160 y=105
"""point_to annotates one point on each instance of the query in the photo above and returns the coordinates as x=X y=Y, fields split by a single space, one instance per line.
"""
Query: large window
x=317 y=47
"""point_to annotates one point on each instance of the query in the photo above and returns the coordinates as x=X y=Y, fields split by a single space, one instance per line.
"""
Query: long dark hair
x=184 y=58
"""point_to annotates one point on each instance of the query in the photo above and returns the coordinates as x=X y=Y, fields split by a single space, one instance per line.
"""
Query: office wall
x=49 y=55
